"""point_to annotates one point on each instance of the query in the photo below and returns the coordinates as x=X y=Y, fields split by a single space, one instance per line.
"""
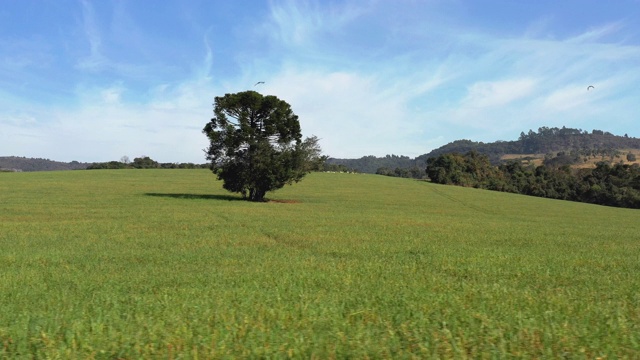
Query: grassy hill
x=165 y=264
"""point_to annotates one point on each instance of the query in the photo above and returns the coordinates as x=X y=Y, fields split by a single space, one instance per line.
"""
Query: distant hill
x=545 y=141
x=16 y=163
x=370 y=164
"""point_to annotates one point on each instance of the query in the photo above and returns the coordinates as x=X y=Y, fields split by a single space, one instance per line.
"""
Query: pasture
x=166 y=264
x=590 y=162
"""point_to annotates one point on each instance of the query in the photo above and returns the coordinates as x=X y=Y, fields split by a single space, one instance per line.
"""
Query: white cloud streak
x=300 y=23
x=95 y=60
x=498 y=93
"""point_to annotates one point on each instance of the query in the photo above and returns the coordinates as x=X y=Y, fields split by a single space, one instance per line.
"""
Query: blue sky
x=98 y=80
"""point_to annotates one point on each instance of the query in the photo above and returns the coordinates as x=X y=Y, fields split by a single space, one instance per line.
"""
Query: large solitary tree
x=255 y=144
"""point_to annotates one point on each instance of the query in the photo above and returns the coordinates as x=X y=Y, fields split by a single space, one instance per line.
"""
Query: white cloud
x=103 y=125
x=498 y=93
x=565 y=99
x=352 y=114
x=104 y=133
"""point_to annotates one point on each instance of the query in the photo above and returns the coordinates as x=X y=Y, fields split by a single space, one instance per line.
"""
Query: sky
x=94 y=81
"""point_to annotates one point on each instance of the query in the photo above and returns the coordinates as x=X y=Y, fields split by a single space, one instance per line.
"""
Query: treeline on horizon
x=567 y=142
x=144 y=163
x=18 y=163
x=547 y=140
x=607 y=184
x=148 y=163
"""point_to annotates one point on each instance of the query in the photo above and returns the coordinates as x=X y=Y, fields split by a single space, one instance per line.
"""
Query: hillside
x=545 y=141
x=532 y=147
x=15 y=163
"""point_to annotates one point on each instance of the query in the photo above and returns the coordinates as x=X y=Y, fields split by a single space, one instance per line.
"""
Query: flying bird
x=590 y=87
x=258 y=83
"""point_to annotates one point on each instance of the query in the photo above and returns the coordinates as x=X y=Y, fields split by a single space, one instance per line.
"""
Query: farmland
x=588 y=161
x=165 y=263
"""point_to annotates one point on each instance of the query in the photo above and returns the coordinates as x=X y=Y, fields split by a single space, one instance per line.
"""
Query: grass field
x=165 y=264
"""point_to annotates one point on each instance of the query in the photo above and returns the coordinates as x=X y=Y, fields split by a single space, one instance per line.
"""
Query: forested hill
x=370 y=164
x=16 y=163
x=546 y=140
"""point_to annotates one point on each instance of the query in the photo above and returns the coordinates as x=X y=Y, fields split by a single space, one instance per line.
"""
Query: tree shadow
x=197 y=196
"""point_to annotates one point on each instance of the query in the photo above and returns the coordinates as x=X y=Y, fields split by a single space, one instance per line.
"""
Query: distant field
x=165 y=264
x=591 y=161
x=528 y=159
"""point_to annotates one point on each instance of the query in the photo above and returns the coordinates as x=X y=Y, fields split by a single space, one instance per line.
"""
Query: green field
x=166 y=264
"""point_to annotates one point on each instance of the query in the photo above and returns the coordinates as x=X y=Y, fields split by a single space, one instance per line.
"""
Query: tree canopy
x=255 y=144
x=613 y=185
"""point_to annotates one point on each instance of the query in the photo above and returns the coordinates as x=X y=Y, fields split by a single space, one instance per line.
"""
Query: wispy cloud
x=597 y=33
x=95 y=60
x=498 y=93
x=568 y=98
x=301 y=23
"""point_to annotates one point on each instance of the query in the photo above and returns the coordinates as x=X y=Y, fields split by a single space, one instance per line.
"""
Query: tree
x=145 y=162
x=312 y=154
x=447 y=169
x=631 y=157
x=255 y=144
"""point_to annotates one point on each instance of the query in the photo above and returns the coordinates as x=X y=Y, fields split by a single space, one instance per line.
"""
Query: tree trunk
x=257 y=195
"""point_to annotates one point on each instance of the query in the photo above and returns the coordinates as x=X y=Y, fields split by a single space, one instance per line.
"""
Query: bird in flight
x=258 y=83
x=590 y=87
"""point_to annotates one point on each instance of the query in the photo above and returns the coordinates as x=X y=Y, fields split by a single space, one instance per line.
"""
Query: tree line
x=371 y=164
x=606 y=184
x=143 y=162
x=21 y=163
